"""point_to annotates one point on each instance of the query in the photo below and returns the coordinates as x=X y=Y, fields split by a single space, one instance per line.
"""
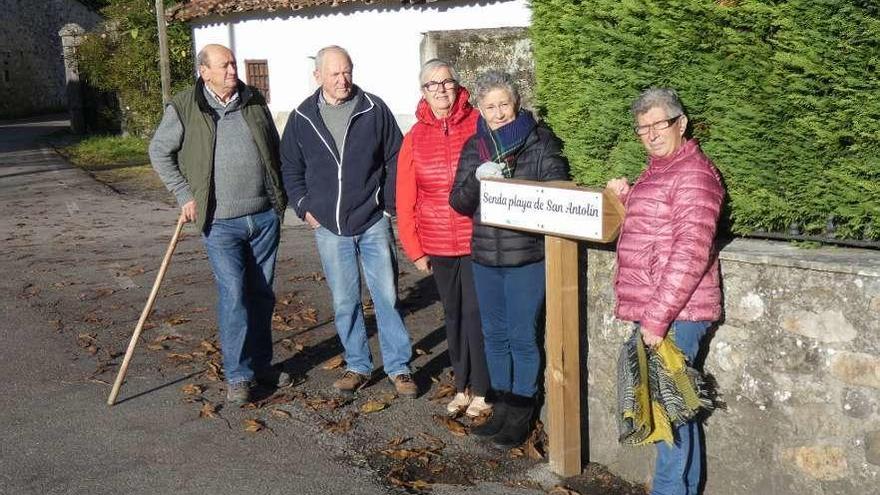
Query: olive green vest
x=196 y=155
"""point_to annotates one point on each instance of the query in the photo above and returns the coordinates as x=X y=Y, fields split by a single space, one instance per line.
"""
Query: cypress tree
x=783 y=96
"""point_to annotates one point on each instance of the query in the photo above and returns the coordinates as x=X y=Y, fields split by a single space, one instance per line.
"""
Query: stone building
x=32 y=78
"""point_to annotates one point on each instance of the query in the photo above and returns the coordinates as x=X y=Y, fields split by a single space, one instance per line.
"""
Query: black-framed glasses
x=641 y=130
x=435 y=85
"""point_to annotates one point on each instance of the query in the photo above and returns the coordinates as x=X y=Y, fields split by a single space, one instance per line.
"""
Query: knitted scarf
x=657 y=390
x=504 y=144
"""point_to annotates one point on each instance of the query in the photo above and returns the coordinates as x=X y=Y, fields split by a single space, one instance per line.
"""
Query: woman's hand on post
x=619 y=186
x=188 y=211
x=423 y=264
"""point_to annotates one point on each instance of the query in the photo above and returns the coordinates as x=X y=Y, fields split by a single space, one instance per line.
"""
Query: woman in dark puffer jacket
x=508 y=265
x=434 y=236
x=667 y=264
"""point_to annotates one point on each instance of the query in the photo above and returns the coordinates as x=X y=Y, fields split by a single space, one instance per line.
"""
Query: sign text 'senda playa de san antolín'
x=542 y=208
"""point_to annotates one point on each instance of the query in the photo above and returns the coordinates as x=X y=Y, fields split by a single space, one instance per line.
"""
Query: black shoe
x=496 y=421
x=274 y=376
x=518 y=421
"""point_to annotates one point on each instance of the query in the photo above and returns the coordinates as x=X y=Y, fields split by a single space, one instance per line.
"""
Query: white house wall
x=384 y=42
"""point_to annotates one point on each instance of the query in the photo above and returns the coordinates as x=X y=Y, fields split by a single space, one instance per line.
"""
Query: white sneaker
x=459 y=402
x=478 y=407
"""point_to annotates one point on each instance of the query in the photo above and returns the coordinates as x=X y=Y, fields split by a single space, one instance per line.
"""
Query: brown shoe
x=350 y=382
x=405 y=385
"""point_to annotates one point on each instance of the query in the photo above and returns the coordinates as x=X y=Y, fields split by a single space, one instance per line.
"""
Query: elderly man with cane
x=216 y=150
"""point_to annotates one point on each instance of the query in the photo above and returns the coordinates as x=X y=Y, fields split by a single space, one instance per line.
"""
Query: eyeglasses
x=433 y=86
x=641 y=130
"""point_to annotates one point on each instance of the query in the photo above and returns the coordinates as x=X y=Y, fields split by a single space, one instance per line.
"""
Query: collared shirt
x=214 y=95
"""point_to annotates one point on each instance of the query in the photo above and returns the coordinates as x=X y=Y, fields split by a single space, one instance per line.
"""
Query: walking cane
x=146 y=312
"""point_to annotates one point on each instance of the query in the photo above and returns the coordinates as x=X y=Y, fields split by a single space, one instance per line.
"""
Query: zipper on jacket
x=339 y=165
x=338 y=161
x=450 y=177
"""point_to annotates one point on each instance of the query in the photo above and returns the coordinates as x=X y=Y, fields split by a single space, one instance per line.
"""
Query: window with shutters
x=258 y=75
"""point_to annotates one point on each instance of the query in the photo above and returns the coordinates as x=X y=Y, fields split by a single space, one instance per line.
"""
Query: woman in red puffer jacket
x=667 y=263
x=434 y=236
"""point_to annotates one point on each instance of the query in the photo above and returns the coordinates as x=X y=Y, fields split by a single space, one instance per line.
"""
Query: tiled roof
x=193 y=9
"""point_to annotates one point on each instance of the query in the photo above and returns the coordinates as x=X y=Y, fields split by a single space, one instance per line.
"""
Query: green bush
x=122 y=55
x=784 y=96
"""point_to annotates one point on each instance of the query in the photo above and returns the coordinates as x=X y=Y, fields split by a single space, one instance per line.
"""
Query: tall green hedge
x=784 y=96
x=122 y=56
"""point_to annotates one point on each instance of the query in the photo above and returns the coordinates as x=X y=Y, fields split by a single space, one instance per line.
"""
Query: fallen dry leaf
x=200 y=309
x=103 y=292
x=178 y=356
x=86 y=339
x=306 y=315
x=330 y=404
x=436 y=445
x=165 y=336
x=443 y=391
x=280 y=413
x=452 y=425
x=342 y=426
x=292 y=345
x=177 y=320
x=157 y=347
x=333 y=363
x=253 y=425
x=516 y=453
x=397 y=441
x=532 y=450
x=400 y=454
x=192 y=389
x=208 y=410
x=209 y=346
x=137 y=270
x=561 y=490
x=372 y=406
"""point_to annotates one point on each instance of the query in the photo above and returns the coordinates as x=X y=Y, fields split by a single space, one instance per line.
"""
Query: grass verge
x=107 y=152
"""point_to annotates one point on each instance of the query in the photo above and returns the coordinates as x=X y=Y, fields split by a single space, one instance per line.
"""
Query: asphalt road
x=77 y=262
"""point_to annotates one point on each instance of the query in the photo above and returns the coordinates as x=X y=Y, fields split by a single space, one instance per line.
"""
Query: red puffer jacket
x=667 y=263
x=426 y=169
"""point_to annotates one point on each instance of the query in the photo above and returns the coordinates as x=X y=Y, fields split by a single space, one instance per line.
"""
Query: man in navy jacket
x=339 y=157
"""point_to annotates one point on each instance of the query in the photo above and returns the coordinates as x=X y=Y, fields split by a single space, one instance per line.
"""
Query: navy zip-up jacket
x=348 y=192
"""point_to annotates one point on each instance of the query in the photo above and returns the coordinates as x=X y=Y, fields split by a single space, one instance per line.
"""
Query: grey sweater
x=239 y=187
x=336 y=117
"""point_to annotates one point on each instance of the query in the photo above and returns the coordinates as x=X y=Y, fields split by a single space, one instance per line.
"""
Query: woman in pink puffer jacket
x=667 y=263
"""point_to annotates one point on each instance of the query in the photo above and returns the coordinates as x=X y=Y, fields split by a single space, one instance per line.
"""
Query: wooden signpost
x=564 y=213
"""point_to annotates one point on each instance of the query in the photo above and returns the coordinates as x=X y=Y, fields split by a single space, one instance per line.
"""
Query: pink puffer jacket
x=667 y=263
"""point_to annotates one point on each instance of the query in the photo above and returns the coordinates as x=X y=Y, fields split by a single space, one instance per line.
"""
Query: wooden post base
x=562 y=344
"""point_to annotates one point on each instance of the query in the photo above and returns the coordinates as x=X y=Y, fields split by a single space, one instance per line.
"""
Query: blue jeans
x=339 y=257
x=679 y=466
x=510 y=300
x=242 y=253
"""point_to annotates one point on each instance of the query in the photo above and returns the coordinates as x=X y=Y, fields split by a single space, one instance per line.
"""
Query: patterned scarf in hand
x=657 y=391
x=504 y=144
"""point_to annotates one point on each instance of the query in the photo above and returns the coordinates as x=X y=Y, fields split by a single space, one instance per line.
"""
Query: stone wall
x=797 y=359
x=472 y=51
x=31 y=58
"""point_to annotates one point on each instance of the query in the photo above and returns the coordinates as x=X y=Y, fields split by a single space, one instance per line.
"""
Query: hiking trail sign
x=565 y=214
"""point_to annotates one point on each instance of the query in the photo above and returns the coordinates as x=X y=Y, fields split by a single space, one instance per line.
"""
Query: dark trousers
x=455 y=283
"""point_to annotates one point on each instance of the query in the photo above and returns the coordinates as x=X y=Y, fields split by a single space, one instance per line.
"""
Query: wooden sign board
x=565 y=213
x=557 y=208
